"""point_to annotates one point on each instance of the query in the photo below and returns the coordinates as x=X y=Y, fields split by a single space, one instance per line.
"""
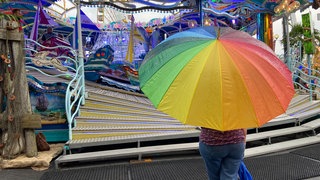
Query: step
x=281 y=120
x=314 y=124
x=138 y=152
x=298 y=100
x=137 y=138
x=127 y=127
x=119 y=107
x=128 y=152
x=116 y=96
x=303 y=107
x=276 y=133
x=102 y=89
x=307 y=114
x=282 y=146
x=115 y=110
x=126 y=120
x=310 y=126
x=108 y=115
x=120 y=103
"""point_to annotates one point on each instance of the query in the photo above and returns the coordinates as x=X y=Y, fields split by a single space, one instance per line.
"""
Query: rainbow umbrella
x=216 y=77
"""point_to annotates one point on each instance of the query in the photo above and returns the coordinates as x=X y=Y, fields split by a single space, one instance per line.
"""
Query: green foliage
x=296 y=35
x=1 y=14
x=7 y=16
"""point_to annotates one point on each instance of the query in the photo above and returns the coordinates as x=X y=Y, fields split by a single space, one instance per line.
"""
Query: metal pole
x=309 y=76
x=309 y=58
x=80 y=53
x=286 y=32
x=201 y=13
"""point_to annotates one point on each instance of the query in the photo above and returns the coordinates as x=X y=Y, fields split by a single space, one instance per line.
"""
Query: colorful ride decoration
x=103 y=56
x=47 y=99
x=316 y=61
x=132 y=75
x=54 y=41
x=107 y=62
x=52 y=53
x=101 y=67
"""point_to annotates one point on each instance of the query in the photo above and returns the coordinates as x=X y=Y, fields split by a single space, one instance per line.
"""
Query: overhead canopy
x=86 y=23
x=243 y=11
x=45 y=3
x=28 y=8
x=169 y=5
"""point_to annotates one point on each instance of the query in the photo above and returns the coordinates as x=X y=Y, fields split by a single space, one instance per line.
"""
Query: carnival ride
x=115 y=114
x=236 y=14
x=106 y=61
x=105 y=52
x=56 y=42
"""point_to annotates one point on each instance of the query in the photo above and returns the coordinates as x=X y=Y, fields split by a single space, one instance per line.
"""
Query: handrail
x=302 y=75
x=74 y=95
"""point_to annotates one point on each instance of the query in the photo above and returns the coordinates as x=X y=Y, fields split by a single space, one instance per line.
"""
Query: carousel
x=107 y=51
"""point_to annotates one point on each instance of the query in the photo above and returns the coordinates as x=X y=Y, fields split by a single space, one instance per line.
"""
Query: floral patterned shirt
x=215 y=137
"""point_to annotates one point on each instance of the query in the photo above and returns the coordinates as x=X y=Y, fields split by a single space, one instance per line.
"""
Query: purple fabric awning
x=45 y=19
x=41 y=18
x=86 y=23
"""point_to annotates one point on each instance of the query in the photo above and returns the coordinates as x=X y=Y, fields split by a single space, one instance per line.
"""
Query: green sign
x=307 y=44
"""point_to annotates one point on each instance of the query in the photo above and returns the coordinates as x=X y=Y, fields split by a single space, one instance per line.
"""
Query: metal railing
x=305 y=77
x=74 y=94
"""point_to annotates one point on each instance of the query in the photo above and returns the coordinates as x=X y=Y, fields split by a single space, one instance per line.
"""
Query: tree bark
x=16 y=92
x=31 y=145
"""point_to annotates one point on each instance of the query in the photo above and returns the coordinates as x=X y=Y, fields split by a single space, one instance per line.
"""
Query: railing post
x=309 y=76
x=80 y=53
x=287 y=40
x=201 y=12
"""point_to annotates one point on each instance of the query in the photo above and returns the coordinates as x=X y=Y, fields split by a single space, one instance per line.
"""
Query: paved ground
x=302 y=163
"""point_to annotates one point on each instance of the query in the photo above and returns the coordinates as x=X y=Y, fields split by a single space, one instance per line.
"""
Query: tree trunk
x=15 y=90
x=31 y=145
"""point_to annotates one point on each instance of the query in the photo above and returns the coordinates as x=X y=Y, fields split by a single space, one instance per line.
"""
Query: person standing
x=222 y=152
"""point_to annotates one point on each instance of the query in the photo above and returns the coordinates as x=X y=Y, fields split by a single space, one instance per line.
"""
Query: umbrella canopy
x=218 y=78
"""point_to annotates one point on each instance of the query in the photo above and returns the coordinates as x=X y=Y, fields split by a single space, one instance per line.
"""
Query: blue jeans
x=222 y=162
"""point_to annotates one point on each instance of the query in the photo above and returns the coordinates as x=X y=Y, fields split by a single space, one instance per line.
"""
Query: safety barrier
x=46 y=61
